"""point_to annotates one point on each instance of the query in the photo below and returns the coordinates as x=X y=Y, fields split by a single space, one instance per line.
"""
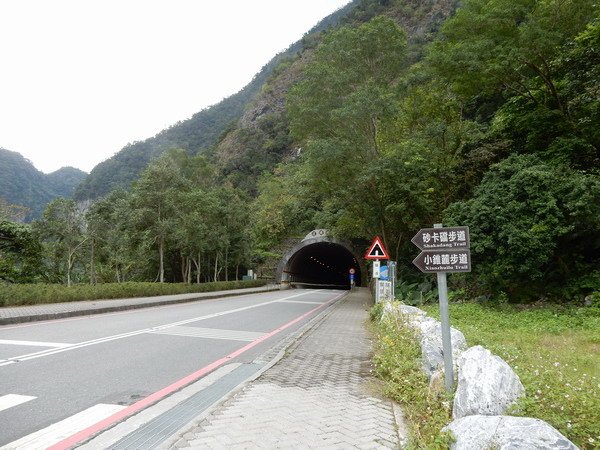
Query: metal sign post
x=376 y=275
x=446 y=335
x=444 y=250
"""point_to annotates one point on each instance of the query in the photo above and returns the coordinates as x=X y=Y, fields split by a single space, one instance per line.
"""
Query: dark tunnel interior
x=323 y=264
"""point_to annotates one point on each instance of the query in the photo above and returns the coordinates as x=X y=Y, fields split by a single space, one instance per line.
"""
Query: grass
x=33 y=294
x=555 y=350
x=397 y=362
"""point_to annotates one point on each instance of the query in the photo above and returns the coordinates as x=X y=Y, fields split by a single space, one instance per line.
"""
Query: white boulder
x=399 y=310
x=486 y=384
x=432 y=351
x=506 y=433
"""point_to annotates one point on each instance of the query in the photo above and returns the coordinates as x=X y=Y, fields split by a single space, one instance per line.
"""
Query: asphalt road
x=90 y=367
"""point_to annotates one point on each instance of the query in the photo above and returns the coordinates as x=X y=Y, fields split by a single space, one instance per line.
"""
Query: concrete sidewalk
x=317 y=396
x=19 y=314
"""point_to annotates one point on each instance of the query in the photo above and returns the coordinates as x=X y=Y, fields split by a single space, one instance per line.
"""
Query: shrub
x=397 y=362
x=32 y=294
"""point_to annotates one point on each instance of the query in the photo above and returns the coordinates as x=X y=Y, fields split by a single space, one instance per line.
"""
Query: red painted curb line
x=159 y=395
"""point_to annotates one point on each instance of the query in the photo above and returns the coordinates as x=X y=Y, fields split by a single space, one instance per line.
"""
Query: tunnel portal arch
x=321 y=261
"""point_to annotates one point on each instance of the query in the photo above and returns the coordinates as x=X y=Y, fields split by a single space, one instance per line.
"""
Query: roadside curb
x=148 y=302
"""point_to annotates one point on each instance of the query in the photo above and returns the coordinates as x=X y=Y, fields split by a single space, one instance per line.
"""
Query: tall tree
x=62 y=228
x=154 y=206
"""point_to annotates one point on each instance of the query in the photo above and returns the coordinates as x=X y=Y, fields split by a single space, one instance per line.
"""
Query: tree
x=109 y=230
x=492 y=45
x=62 y=230
x=338 y=111
x=154 y=205
x=20 y=253
x=14 y=213
x=533 y=225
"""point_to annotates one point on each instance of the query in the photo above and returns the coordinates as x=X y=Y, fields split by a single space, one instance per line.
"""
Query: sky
x=79 y=79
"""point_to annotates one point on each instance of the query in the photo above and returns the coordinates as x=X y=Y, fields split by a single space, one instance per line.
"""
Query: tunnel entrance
x=321 y=262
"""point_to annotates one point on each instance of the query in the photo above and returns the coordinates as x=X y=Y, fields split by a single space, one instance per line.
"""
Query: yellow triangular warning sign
x=377 y=250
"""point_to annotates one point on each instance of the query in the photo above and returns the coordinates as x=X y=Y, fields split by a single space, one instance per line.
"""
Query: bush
x=533 y=226
x=33 y=294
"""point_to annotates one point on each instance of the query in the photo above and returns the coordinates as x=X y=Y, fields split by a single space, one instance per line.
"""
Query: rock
x=588 y=300
x=437 y=384
x=402 y=311
x=411 y=310
x=432 y=357
x=486 y=384
x=506 y=433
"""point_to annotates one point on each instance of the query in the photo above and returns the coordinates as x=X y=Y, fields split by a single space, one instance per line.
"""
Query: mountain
x=196 y=134
x=246 y=133
x=22 y=184
x=260 y=139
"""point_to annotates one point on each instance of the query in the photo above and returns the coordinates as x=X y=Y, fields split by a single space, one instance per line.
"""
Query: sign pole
x=446 y=335
x=376 y=274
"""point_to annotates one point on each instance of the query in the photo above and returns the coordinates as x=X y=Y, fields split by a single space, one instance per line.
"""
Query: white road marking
x=211 y=333
x=61 y=430
x=10 y=400
x=54 y=351
x=300 y=301
x=35 y=343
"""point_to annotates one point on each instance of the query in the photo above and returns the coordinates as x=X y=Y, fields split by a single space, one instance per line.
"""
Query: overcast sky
x=79 y=79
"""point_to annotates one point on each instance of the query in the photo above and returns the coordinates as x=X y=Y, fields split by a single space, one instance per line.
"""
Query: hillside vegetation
x=392 y=116
x=22 y=184
x=195 y=135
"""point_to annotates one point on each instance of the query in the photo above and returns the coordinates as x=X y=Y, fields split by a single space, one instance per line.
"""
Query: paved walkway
x=19 y=314
x=315 y=397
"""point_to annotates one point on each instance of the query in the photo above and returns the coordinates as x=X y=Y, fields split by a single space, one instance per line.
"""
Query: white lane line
x=300 y=301
x=48 y=436
x=211 y=333
x=35 y=343
x=10 y=400
x=54 y=351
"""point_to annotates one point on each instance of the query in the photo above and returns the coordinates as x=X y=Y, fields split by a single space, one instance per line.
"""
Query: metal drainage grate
x=164 y=426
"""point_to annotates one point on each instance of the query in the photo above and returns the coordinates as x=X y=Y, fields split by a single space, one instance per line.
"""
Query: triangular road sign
x=377 y=250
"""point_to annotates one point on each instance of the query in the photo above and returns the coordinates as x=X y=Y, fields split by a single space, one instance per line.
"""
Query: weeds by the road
x=555 y=350
x=32 y=294
x=397 y=362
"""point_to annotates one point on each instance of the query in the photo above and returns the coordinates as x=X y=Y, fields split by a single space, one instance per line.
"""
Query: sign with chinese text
x=385 y=291
x=376 y=267
x=442 y=238
x=450 y=260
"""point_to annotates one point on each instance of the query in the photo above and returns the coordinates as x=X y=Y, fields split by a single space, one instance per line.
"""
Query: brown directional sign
x=449 y=260
x=442 y=238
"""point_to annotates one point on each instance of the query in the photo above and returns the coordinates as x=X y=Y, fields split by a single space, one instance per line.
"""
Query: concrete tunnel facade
x=321 y=261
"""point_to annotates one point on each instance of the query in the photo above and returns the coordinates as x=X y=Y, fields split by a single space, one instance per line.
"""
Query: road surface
x=59 y=377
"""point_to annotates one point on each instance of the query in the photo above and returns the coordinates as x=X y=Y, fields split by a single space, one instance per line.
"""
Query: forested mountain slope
x=22 y=184
x=195 y=135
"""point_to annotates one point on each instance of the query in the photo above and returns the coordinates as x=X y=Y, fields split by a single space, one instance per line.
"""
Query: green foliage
x=397 y=362
x=20 y=253
x=531 y=223
x=553 y=349
x=34 y=294
x=508 y=45
x=10 y=212
x=61 y=230
x=22 y=184
x=415 y=294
